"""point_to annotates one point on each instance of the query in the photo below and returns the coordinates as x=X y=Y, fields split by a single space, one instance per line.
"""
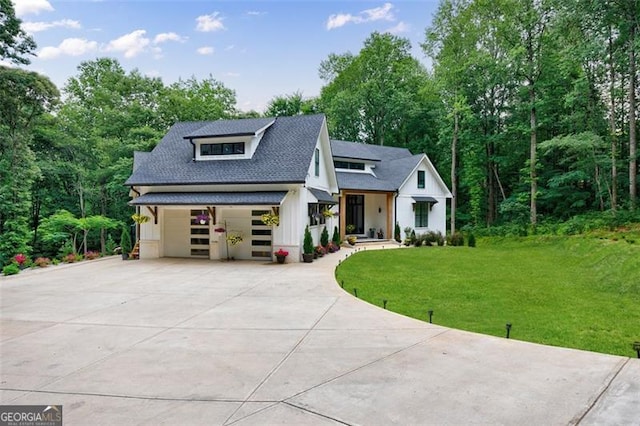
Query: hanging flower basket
x=202 y=219
x=219 y=230
x=270 y=219
x=140 y=218
x=327 y=213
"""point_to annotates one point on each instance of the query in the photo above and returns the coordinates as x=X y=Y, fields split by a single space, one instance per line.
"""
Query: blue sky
x=260 y=49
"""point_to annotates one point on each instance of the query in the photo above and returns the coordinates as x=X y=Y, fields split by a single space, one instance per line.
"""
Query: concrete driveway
x=178 y=341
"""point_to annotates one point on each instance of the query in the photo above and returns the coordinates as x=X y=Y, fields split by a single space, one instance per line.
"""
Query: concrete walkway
x=178 y=341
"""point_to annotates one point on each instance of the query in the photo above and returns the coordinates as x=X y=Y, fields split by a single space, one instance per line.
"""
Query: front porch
x=367 y=214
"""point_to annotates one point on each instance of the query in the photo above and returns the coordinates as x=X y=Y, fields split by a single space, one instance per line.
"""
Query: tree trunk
x=633 y=160
x=454 y=178
x=612 y=127
x=533 y=148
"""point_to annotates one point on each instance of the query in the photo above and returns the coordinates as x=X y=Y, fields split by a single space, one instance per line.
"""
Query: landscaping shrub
x=125 y=240
x=457 y=239
x=71 y=258
x=11 y=269
x=336 y=236
x=471 y=240
x=66 y=249
x=417 y=240
x=439 y=239
x=324 y=237
x=413 y=237
x=307 y=245
x=396 y=233
x=90 y=255
x=110 y=245
x=42 y=262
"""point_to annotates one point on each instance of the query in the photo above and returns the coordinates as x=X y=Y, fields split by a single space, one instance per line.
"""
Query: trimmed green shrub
x=125 y=240
x=471 y=240
x=396 y=233
x=11 y=269
x=307 y=245
x=336 y=236
x=324 y=238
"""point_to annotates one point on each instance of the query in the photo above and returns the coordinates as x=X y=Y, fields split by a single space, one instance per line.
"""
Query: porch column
x=343 y=215
x=390 y=223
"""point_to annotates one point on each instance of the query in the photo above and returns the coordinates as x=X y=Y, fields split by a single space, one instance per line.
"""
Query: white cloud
x=255 y=13
x=157 y=52
x=68 y=47
x=26 y=7
x=232 y=74
x=401 y=27
x=131 y=44
x=34 y=27
x=205 y=50
x=164 y=37
x=209 y=23
x=381 y=13
x=230 y=47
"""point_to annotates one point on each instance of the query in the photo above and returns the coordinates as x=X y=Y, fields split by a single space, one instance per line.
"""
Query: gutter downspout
x=193 y=145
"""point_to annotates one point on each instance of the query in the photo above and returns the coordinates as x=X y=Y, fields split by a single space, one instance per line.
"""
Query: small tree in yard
x=336 y=236
x=324 y=238
x=396 y=233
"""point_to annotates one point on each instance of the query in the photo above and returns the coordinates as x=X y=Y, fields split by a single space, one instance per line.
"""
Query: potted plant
x=320 y=251
x=307 y=246
x=125 y=243
x=380 y=234
x=281 y=255
x=327 y=213
x=350 y=228
x=372 y=232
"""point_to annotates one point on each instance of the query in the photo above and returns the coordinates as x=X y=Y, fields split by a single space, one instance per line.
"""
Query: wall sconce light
x=379 y=209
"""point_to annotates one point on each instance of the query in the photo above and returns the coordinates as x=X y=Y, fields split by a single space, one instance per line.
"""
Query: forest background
x=529 y=112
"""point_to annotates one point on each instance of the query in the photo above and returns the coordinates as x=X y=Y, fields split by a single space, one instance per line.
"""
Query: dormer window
x=233 y=148
x=349 y=165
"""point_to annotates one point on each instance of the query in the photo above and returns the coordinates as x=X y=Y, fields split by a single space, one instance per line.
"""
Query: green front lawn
x=577 y=292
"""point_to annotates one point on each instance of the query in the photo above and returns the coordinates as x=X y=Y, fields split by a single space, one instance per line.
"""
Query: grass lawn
x=578 y=292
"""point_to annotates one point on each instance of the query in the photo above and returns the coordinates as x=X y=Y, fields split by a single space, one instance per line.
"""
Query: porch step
x=135 y=253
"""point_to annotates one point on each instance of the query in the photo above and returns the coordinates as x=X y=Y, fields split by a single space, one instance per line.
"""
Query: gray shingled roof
x=219 y=128
x=283 y=156
x=391 y=170
x=209 y=198
x=354 y=150
x=139 y=157
x=425 y=200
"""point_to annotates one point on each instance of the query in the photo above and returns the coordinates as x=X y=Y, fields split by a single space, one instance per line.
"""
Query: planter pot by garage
x=307 y=258
x=125 y=256
x=280 y=259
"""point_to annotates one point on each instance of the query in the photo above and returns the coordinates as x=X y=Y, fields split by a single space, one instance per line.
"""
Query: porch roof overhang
x=323 y=197
x=424 y=200
x=209 y=198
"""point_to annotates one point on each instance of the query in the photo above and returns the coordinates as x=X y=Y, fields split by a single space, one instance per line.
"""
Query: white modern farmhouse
x=208 y=186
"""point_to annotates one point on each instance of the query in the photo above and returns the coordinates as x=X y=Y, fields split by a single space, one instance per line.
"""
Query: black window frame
x=315 y=214
x=421 y=179
x=221 y=149
x=347 y=165
x=317 y=162
x=421 y=214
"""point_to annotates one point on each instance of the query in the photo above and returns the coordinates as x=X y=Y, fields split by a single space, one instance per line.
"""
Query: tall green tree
x=15 y=44
x=370 y=96
x=24 y=97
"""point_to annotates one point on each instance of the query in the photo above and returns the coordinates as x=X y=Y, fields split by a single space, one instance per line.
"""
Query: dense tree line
x=529 y=112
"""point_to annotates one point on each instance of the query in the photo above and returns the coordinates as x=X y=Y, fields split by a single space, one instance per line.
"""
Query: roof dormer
x=228 y=139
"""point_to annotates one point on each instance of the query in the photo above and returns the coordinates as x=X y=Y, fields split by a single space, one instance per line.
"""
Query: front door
x=355 y=213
